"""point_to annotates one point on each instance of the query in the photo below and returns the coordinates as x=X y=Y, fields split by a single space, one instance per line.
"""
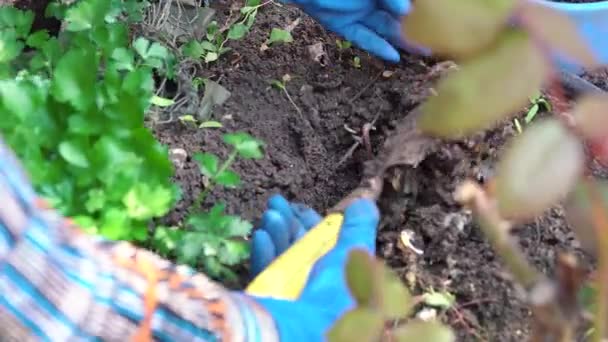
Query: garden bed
x=312 y=157
x=306 y=144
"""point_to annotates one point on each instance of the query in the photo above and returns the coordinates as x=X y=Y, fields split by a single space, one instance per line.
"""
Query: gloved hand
x=282 y=224
x=326 y=296
x=373 y=25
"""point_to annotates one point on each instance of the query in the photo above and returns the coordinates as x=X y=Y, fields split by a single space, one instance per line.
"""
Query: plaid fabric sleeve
x=58 y=284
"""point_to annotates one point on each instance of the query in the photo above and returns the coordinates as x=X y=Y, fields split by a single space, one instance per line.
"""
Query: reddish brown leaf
x=591 y=115
x=557 y=31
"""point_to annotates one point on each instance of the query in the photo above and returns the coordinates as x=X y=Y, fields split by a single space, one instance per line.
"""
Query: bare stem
x=496 y=231
x=601 y=226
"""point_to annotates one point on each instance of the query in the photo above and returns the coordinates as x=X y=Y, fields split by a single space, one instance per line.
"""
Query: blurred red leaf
x=591 y=116
x=557 y=31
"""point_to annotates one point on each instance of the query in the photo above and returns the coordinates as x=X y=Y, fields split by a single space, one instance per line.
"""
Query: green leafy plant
x=213 y=239
x=214 y=46
x=74 y=110
x=383 y=302
x=500 y=67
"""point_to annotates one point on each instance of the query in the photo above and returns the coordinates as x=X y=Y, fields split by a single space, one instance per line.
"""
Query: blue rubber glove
x=372 y=25
x=281 y=225
x=326 y=296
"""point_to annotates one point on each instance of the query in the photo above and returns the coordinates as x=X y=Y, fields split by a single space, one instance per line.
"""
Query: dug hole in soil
x=305 y=146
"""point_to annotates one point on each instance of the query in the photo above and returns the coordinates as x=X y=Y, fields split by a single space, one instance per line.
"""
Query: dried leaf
x=215 y=95
x=360 y=276
x=360 y=324
x=578 y=207
x=591 y=115
x=486 y=89
x=557 y=31
x=456 y=28
x=538 y=170
x=424 y=331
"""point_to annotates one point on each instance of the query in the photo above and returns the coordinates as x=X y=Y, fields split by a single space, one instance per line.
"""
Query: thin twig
x=360 y=93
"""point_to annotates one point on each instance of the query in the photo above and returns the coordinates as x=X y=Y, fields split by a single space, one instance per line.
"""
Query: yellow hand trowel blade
x=287 y=275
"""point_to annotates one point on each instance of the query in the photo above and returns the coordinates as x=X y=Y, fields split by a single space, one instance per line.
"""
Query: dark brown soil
x=303 y=150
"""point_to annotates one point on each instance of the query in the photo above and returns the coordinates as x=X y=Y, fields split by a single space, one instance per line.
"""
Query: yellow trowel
x=287 y=275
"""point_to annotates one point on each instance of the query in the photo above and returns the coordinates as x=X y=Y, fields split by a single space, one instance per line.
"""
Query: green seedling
x=281 y=85
x=342 y=45
x=213 y=47
x=213 y=239
x=190 y=120
x=538 y=103
x=356 y=62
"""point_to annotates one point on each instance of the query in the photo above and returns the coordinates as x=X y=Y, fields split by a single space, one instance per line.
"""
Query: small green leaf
x=531 y=113
x=124 y=58
x=443 y=300
x=10 y=47
x=211 y=124
x=251 y=149
x=73 y=82
x=161 y=101
x=166 y=239
x=277 y=84
x=360 y=275
x=233 y=252
x=207 y=163
x=211 y=57
x=145 y=201
x=141 y=45
x=528 y=182
x=157 y=51
x=115 y=224
x=486 y=89
x=237 y=31
x=207 y=45
x=247 y=146
x=87 y=14
x=228 y=178
x=424 y=331
x=96 y=199
x=238 y=227
x=37 y=39
x=73 y=153
x=360 y=324
x=278 y=35
x=193 y=49
x=187 y=119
